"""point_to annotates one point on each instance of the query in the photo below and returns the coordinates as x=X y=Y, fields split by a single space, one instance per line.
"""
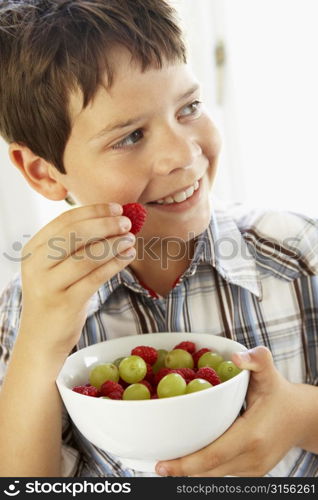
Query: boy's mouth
x=178 y=197
x=170 y=204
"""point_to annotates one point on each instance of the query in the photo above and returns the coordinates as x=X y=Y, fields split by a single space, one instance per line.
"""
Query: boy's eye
x=191 y=109
x=130 y=140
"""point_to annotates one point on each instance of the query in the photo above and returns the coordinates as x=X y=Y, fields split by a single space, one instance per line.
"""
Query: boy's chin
x=186 y=227
x=194 y=230
x=183 y=232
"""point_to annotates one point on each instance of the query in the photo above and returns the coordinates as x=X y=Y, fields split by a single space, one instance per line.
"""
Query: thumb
x=257 y=360
x=260 y=362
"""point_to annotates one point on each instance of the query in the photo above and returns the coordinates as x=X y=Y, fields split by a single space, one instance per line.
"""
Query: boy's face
x=169 y=145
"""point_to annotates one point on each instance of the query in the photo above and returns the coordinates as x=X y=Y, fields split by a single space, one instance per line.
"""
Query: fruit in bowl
x=143 y=431
x=133 y=376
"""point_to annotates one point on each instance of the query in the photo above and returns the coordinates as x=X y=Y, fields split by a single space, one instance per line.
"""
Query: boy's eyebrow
x=131 y=121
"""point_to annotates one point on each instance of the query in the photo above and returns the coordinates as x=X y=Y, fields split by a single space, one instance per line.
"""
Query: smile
x=181 y=201
x=178 y=197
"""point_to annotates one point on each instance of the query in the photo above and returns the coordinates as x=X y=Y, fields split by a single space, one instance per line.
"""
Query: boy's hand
x=272 y=424
x=63 y=265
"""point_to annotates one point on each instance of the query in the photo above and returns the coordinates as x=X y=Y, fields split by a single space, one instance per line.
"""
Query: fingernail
x=244 y=356
x=124 y=224
x=115 y=209
x=161 y=470
x=130 y=237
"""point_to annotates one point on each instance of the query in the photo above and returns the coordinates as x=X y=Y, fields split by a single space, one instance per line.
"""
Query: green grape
x=132 y=369
x=179 y=358
x=160 y=363
x=171 y=385
x=117 y=361
x=227 y=370
x=211 y=359
x=101 y=373
x=197 y=384
x=136 y=391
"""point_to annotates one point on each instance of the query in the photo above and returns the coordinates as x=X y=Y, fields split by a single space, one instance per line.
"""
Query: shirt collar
x=222 y=246
x=231 y=256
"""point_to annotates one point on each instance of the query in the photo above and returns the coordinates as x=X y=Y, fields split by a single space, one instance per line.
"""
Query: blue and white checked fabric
x=253 y=278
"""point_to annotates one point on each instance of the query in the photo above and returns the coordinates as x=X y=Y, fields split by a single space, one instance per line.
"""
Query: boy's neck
x=161 y=273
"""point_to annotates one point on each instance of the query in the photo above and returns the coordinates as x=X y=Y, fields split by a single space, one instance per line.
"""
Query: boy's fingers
x=231 y=444
x=69 y=218
x=264 y=375
x=83 y=234
x=234 y=468
x=86 y=260
x=257 y=359
x=88 y=285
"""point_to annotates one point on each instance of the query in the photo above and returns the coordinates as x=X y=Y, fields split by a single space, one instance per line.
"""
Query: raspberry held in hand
x=137 y=214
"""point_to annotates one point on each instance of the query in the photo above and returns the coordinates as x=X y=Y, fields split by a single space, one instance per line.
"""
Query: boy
x=98 y=104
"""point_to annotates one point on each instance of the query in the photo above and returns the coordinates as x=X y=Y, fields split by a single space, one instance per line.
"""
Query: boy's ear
x=37 y=172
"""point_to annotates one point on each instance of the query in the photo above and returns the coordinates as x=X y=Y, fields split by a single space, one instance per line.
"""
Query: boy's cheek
x=210 y=138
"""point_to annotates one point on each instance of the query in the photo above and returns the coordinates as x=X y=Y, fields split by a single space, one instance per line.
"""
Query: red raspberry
x=112 y=389
x=207 y=373
x=123 y=383
x=148 y=385
x=115 y=395
x=148 y=354
x=137 y=214
x=154 y=396
x=87 y=390
x=187 y=373
x=187 y=346
x=162 y=373
x=150 y=376
x=198 y=354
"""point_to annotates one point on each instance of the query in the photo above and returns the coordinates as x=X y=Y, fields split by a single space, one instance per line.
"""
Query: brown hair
x=49 y=48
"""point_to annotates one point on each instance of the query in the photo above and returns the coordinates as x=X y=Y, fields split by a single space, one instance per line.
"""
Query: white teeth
x=168 y=200
x=189 y=192
x=179 y=197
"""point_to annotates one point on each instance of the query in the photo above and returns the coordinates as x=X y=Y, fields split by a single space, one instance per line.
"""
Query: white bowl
x=141 y=433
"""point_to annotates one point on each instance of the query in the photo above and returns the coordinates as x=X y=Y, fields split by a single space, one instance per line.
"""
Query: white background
x=267 y=118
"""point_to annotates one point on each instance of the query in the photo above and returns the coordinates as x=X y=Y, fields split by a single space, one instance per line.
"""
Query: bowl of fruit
x=154 y=397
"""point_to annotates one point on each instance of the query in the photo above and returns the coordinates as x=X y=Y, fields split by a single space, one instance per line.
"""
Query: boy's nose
x=175 y=150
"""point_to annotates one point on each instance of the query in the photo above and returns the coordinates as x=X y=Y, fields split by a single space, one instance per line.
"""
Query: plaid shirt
x=253 y=278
